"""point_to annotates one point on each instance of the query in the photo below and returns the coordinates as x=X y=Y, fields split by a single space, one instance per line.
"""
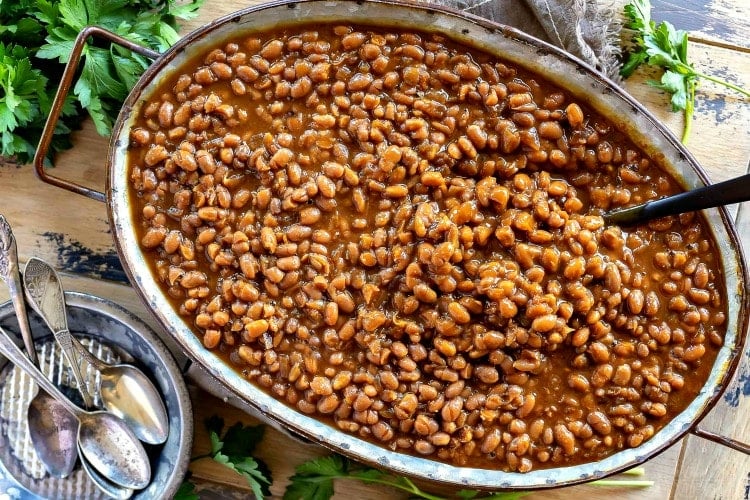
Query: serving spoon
x=724 y=193
x=52 y=428
x=124 y=389
x=104 y=439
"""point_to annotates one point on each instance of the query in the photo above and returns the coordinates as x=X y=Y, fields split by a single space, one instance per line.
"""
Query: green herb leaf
x=45 y=30
x=183 y=10
x=254 y=474
x=186 y=491
x=673 y=83
x=214 y=424
x=241 y=440
x=313 y=480
x=666 y=47
x=233 y=451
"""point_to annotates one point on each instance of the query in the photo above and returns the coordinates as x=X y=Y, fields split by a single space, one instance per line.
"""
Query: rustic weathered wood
x=73 y=233
x=713 y=21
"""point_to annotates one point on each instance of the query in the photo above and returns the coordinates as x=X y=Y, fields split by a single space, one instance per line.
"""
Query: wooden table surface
x=72 y=232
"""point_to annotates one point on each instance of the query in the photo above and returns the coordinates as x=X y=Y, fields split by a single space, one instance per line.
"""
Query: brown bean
x=636 y=301
x=693 y=353
x=256 y=328
x=599 y=422
x=331 y=314
x=459 y=313
x=574 y=114
x=321 y=386
x=565 y=439
x=154 y=237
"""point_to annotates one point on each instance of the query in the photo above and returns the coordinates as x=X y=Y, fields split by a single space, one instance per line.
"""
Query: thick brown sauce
x=501 y=327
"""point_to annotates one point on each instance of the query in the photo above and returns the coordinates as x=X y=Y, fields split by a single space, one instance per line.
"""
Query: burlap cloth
x=589 y=29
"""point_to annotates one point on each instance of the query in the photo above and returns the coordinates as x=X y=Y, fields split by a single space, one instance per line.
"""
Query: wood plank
x=710 y=21
x=68 y=230
x=720 y=141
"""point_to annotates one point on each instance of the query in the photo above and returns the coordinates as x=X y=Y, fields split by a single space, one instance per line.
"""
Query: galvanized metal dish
x=115 y=335
x=507 y=43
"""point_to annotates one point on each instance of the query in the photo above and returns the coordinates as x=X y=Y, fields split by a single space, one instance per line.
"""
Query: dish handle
x=57 y=105
x=720 y=439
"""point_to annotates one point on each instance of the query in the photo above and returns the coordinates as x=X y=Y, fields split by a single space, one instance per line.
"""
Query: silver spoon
x=104 y=439
x=49 y=303
x=724 y=193
x=52 y=429
x=128 y=393
x=111 y=489
x=124 y=389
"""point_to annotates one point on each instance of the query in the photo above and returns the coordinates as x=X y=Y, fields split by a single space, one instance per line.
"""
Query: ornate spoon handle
x=45 y=294
x=10 y=274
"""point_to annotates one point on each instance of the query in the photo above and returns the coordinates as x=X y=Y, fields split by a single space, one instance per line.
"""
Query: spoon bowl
x=105 y=485
x=53 y=431
x=127 y=392
x=99 y=434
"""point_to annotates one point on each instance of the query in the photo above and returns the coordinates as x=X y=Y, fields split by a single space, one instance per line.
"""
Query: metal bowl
x=115 y=334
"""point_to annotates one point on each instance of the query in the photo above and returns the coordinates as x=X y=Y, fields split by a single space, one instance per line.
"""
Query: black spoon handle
x=724 y=193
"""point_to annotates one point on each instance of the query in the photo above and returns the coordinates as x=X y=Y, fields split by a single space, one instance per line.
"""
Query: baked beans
x=403 y=237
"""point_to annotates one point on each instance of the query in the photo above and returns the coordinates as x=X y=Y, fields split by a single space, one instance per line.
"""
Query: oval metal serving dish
x=508 y=44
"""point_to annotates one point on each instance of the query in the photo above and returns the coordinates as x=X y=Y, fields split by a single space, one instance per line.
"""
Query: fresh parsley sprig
x=234 y=449
x=314 y=479
x=186 y=491
x=36 y=38
x=665 y=46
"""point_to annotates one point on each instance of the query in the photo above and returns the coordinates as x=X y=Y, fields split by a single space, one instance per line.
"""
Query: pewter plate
x=113 y=334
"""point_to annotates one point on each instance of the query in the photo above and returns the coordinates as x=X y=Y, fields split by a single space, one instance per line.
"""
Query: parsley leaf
x=234 y=450
x=314 y=480
x=36 y=39
x=241 y=440
x=186 y=492
x=23 y=99
x=665 y=46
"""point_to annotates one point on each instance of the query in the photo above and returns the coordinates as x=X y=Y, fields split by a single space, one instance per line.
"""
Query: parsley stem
x=723 y=82
x=689 y=108
x=618 y=483
x=409 y=487
x=635 y=471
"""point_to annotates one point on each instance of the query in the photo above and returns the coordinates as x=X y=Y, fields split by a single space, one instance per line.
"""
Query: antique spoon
x=124 y=389
x=111 y=489
x=724 y=193
x=104 y=439
x=49 y=303
x=52 y=429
